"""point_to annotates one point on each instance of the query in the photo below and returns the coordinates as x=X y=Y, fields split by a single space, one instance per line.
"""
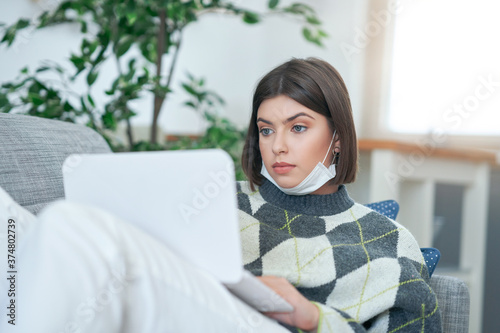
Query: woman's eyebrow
x=264 y=121
x=296 y=116
x=287 y=120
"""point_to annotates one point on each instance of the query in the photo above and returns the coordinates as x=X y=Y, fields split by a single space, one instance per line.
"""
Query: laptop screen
x=186 y=199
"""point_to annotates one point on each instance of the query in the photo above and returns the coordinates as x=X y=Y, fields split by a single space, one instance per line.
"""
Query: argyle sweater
x=363 y=270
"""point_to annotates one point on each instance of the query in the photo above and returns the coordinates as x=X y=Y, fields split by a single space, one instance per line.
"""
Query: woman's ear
x=336 y=149
x=336 y=144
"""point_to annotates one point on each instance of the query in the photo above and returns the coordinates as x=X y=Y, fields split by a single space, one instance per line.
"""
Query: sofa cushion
x=32 y=151
x=454 y=301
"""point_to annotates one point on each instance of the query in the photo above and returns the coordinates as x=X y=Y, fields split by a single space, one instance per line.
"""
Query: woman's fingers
x=305 y=315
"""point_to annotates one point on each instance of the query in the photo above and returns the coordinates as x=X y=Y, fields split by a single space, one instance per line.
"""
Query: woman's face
x=292 y=140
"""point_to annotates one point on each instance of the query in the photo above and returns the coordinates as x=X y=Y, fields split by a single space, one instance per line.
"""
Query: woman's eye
x=299 y=128
x=265 y=131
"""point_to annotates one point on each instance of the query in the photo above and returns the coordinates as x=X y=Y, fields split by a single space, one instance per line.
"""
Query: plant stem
x=130 y=135
x=158 y=102
x=174 y=60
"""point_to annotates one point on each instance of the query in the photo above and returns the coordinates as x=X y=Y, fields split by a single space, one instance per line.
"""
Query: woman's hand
x=305 y=314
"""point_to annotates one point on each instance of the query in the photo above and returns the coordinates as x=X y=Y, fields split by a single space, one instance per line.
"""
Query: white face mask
x=317 y=178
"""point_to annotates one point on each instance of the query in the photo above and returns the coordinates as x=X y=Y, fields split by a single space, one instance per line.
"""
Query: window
x=445 y=69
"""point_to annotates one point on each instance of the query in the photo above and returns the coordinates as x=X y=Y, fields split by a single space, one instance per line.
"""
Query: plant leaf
x=4 y=100
x=35 y=99
x=91 y=100
x=42 y=69
x=78 y=62
x=313 y=20
x=322 y=33
x=22 y=23
x=92 y=77
x=307 y=34
x=67 y=107
x=272 y=4
x=131 y=18
x=251 y=17
x=109 y=120
x=123 y=46
x=190 y=89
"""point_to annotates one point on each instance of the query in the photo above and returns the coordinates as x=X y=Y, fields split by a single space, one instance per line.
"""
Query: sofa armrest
x=32 y=151
x=454 y=301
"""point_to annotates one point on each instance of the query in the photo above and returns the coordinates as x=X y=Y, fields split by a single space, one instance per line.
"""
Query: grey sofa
x=32 y=151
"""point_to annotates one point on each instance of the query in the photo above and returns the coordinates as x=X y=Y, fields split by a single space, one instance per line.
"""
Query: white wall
x=231 y=55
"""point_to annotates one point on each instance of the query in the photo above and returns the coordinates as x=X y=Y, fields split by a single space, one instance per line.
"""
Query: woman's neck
x=309 y=204
x=326 y=189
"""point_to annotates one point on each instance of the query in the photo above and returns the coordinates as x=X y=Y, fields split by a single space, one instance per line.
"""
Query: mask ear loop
x=330 y=146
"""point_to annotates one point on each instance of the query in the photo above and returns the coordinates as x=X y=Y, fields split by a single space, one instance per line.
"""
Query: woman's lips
x=281 y=168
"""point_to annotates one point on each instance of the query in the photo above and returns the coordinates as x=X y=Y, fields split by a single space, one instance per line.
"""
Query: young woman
x=343 y=267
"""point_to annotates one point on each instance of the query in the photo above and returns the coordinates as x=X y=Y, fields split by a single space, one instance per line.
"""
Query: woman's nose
x=279 y=144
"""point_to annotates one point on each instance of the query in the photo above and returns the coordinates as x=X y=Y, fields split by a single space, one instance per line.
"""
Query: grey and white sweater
x=364 y=271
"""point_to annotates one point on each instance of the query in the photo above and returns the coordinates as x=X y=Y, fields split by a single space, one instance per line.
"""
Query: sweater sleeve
x=410 y=305
x=414 y=316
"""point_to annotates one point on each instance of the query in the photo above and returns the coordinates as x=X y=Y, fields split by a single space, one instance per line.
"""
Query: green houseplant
x=109 y=30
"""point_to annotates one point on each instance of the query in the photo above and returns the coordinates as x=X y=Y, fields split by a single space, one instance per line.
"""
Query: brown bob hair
x=318 y=86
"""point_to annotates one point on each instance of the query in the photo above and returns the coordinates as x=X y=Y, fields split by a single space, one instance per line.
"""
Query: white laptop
x=184 y=198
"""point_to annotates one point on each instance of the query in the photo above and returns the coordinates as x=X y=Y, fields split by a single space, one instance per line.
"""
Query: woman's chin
x=287 y=184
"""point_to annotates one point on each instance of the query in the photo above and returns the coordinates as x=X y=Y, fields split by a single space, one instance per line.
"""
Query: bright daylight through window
x=446 y=68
